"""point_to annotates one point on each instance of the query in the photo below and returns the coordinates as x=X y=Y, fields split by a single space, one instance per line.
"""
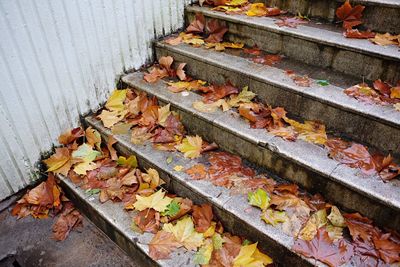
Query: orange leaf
x=162 y=244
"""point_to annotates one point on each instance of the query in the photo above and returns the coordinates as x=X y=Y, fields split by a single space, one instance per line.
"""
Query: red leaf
x=202 y=216
x=197 y=25
x=216 y=31
x=356 y=34
x=219 y=91
x=267 y=59
x=351 y=16
x=324 y=249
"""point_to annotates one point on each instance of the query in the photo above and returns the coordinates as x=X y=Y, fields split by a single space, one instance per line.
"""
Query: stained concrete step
x=378 y=15
x=375 y=125
x=303 y=163
x=233 y=211
x=321 y=45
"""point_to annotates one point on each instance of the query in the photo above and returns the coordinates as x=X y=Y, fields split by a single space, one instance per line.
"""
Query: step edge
x=302 y=33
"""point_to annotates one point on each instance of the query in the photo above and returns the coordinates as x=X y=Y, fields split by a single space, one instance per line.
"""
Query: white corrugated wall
x=59 y=59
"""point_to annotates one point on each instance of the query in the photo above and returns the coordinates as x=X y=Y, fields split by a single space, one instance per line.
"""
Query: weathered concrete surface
x=321 y=45
x=303 y=163
x=365 y=123
x=28 y=243
x=379 y=15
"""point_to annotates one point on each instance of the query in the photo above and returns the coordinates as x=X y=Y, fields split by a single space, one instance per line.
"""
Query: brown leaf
x=356 y=34
x=162 y=244
x=70 y=136
x=290 y=22
x=267 y=59
x=147 y=220
x=68 y=220
x=389 y=251
x=220 y=91
x=110 y=142
x=202 y=216
x=216 y=31
x=197 y=25
x=197 y=172
x=351 y=16
x=324 y=249
x=180 y=72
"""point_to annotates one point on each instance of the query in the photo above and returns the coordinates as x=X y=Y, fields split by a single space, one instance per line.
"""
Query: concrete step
x=321 y=45
x=378 y=15
x=365 y=123
x=303 y=163
x=230 y=209
x=116 y=223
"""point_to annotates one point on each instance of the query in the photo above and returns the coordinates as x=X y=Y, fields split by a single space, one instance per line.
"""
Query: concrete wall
x=59 y=59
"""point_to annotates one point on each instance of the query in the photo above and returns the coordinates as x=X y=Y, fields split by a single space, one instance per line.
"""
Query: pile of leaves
x=175 y=221
x=381 y=93
x=352 y=17
x=275 y=121
x=47 y=199
x=319 y=227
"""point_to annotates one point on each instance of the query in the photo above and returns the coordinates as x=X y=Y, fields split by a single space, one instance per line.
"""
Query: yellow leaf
x=317 y=220
x=249 y=255
x=397 y=106
x=336 y=218
x=116 y=100
x=395 y=92
x=274 y=217
x=210 y=231
x=237 y=3
x=153 y=178
x=87 y=155
x=203 y=256
x=310 y=131
x=59 y=162
x=259 y=198
x=185 y=234
x=180 y=86
x=178 y=168
x=93 y=137
x=191 y=146
x=212 y=107
x=157 y=201
x=257 y=10
x=245 y=96
x=385 y=39
x=163 y=113
x=109 y=118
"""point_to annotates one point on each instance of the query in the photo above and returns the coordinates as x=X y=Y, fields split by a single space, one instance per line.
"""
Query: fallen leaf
x=162 y=244
x=178 y=168
x=385 y=39
x=130 y=162
x=59 y=162
x=191 y=146
x=197 y=172
x=322 y=82
x=197 y=25
x=93 y=137
x=259 y=198
x=268 y=60
x=180 y=72
x=157 y=201
x=249 y=255
x=211 y=107
x=87 y=155
x=67 y=221
x=116 y=101
x=203 y=256
x=292 y=22
x=110 y=118
x=257 y=10
x=185 y=234
x=216 y=31
x=351 y=16
x=180 y=86
x=202 y=217
x=148 y=220
x=172 y=209
x=70 y=136
x=336 y=218
x=274 y=217
x=356 y=34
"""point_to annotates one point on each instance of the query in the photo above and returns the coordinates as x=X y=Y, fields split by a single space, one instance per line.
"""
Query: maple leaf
x=356 y=34
x=257 y=10
x=217 y=92
x=148 y=220
x=59 y=162
x=163 y=114
x=316 y=221
x=116 y=101
x=385 y=39
x=130 y=162
x=172 y=209
x=68 y=220
x=87 y=155
x=245 y=96
x=336 y=218
x=197 y=25
x=157 y=201
x=162 y=244
x=274 y=217
x=180 y=72
x=185 y=206
x=70 y=136
x=322 y=248
x=389 y=251
x=290 y=22
x=259 y=198
x=216 y=31
x=93 y=137
x=202 y=216
x=173 y=40
x=155 y=74
x=211 y=107
x=360 y=227
x=166 y=63
x=268 y=60
x=310 y=131
x=300 y=80
x=140 y=135
x=109 y=118
x=180 y=86
x=351 y=16
x=249 y=255
x=191 y=146
x=185 y=234
x=203 y=256
x=197 y=172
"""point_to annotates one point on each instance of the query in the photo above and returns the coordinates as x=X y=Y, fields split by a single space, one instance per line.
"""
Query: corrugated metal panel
x=59 y=59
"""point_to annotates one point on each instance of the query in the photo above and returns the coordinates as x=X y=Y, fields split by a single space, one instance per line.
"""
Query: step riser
x=109 y=229
x=375 y=17
x=289 y=169
x=230 y=222
x=314 y=52
x=361 y=128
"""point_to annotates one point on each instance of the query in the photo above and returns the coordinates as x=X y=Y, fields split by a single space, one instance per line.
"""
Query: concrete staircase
x=319 y=50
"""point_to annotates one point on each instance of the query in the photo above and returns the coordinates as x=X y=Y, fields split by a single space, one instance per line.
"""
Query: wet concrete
x=28 y=242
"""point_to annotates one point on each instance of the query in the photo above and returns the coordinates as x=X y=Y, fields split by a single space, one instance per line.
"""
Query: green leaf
x=246 y=242
x=203 y=256
x=170 y=159
x=128 y=162
x=259 y=198
x=172 y=209
x=91 y=192
x=217 y=240
x=323 y=82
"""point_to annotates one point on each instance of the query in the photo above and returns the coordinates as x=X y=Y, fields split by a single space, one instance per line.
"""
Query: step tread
x=327 y=34
x=331 y=94
x=121 y=221
x=218 y=196
x=308 y=155
x=388 y=3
